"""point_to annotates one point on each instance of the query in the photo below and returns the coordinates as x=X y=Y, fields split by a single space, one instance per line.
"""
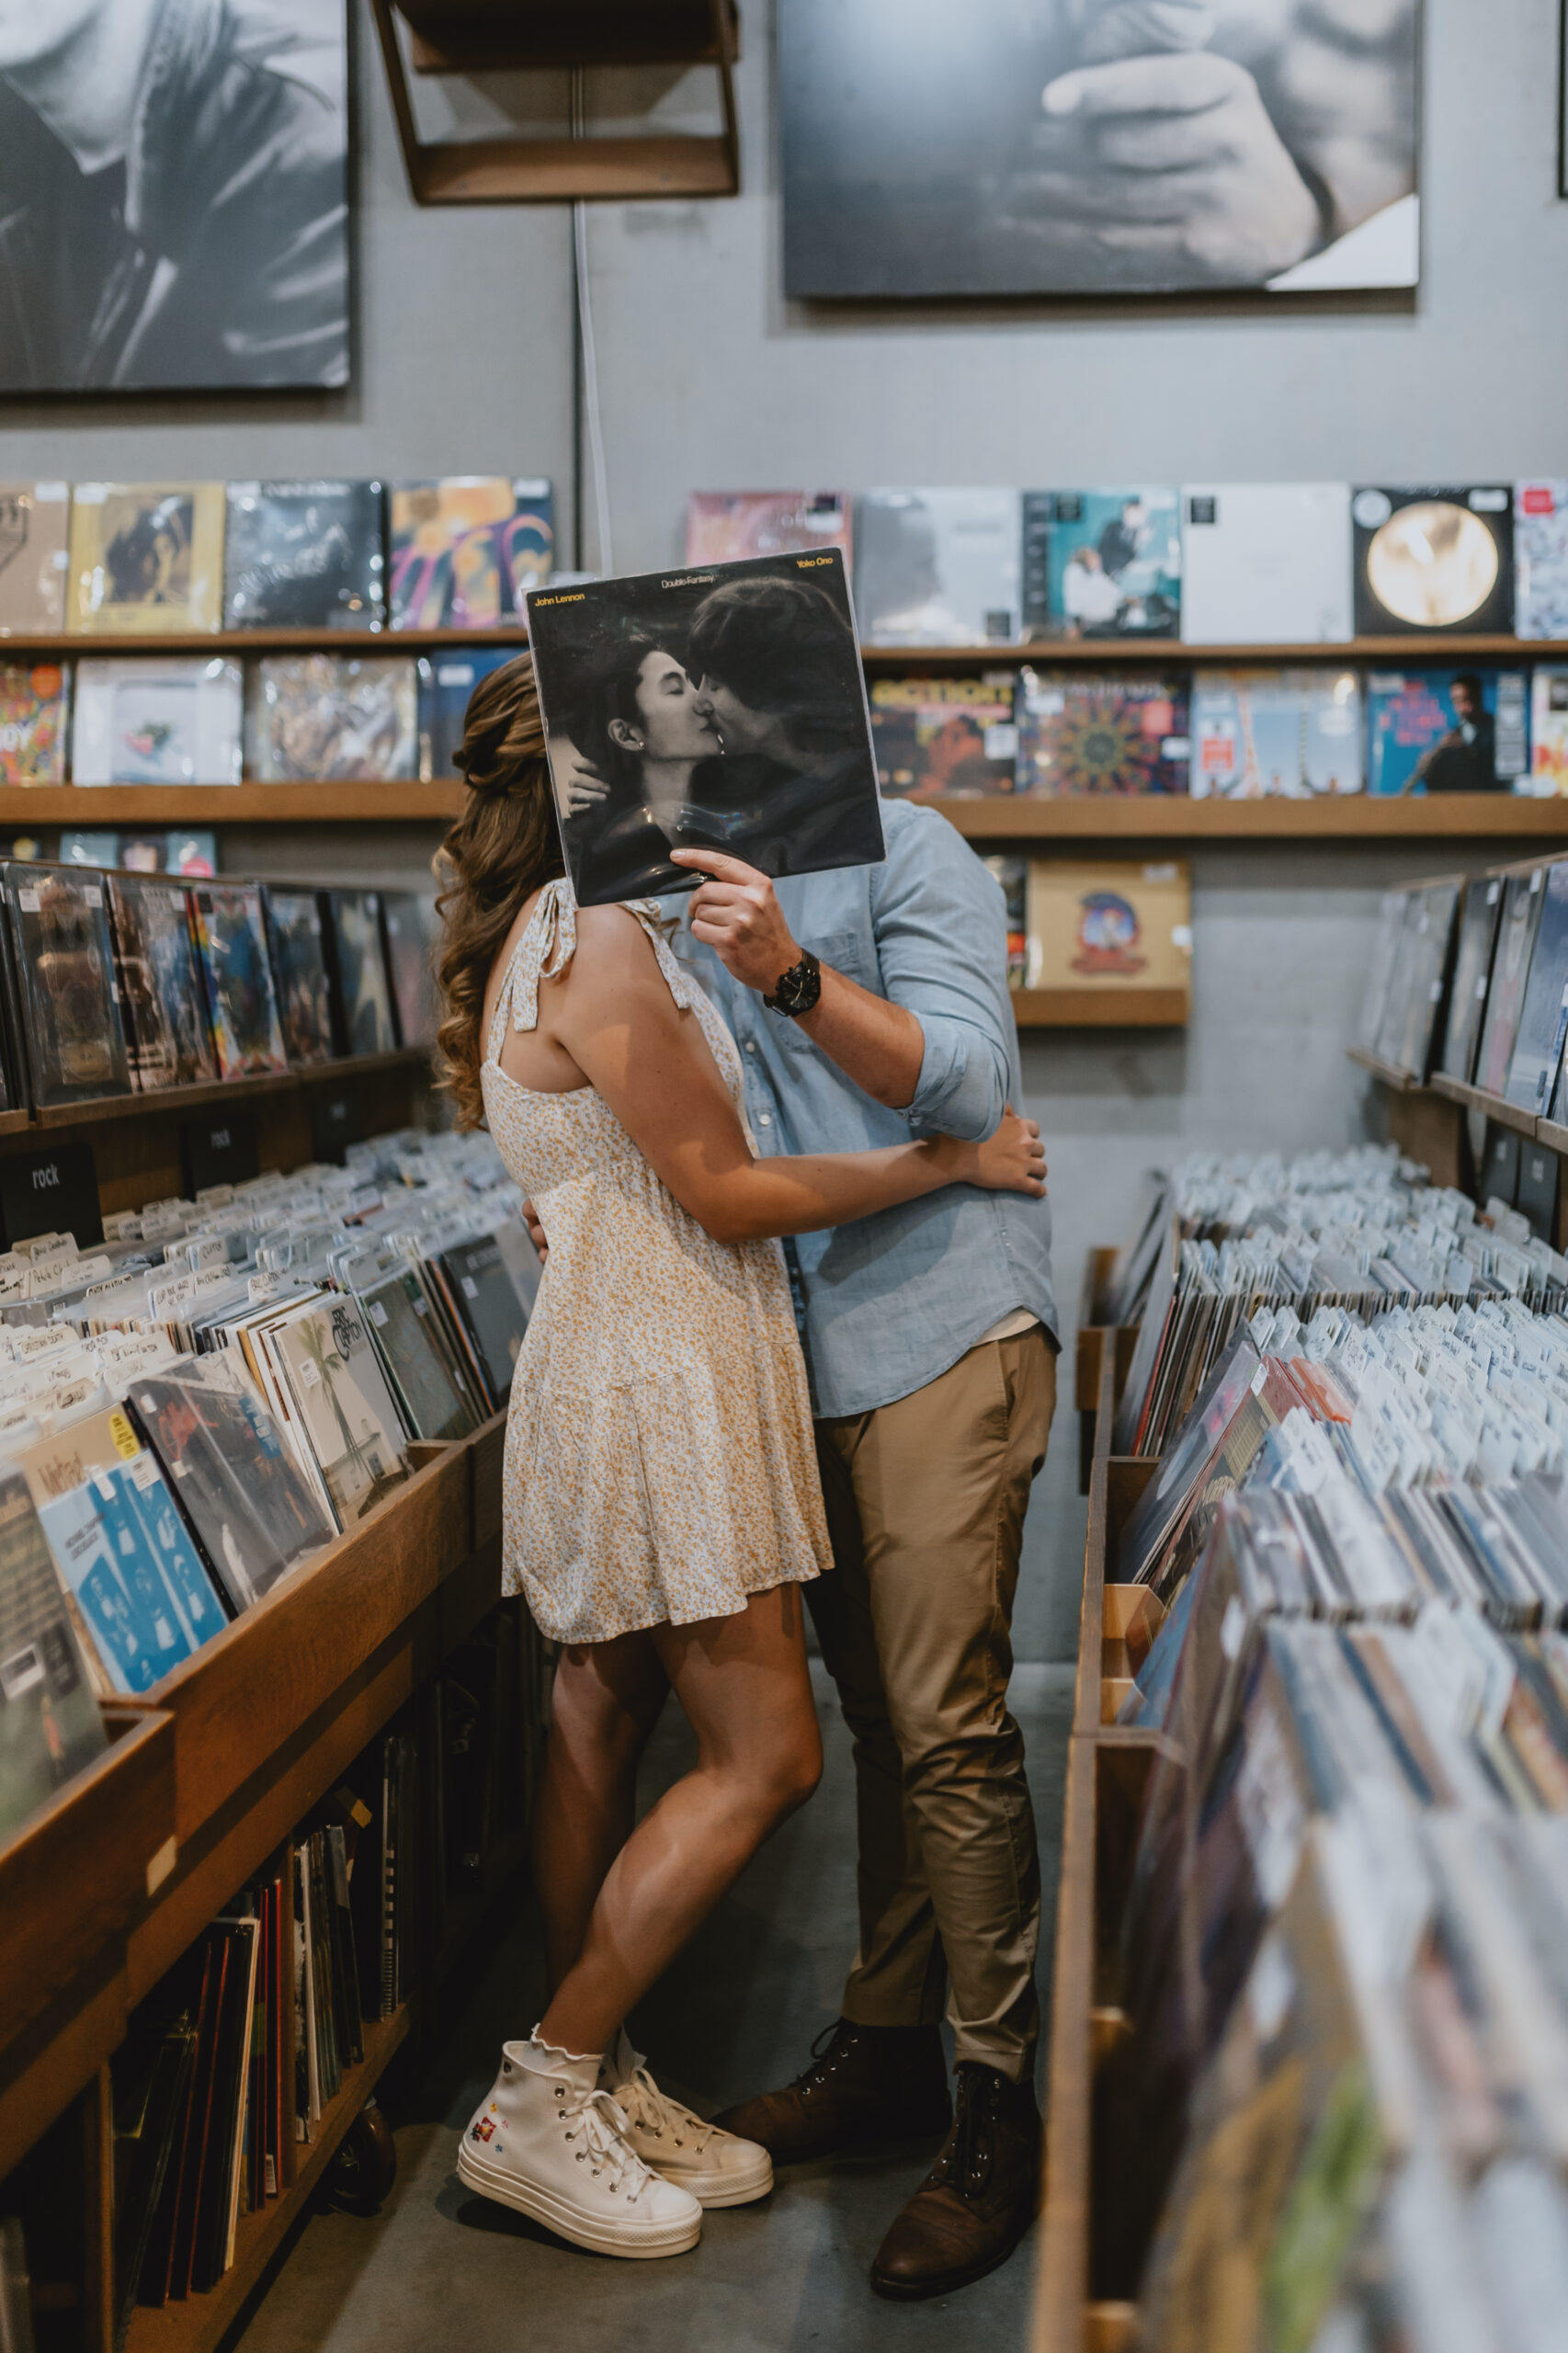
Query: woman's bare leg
x=744 y=1683
x=606 y=1700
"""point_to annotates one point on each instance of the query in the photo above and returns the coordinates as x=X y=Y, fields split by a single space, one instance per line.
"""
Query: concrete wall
x=709 y=378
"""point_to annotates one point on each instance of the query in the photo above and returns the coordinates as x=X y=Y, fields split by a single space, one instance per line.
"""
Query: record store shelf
x=100 y=1107
x=1109 y=1006
x=389 y=802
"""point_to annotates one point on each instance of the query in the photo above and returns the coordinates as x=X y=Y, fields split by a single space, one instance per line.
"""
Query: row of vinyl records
x=1212 y=563
x=1470 y=978
x=189 y=1412
x=112 y=983
x=1340 y=2110
x=1229 y=734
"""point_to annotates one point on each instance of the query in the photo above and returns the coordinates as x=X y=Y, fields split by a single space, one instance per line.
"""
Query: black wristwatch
x=796 y=991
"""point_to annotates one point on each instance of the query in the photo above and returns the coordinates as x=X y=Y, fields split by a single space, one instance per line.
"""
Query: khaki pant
x=925 y=1502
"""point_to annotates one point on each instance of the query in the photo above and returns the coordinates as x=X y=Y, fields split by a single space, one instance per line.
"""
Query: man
x=869 y=1003
x=1465 y=760
x=173 y=194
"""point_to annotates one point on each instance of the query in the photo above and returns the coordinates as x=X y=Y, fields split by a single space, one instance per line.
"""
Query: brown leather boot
x=871 y=2084
x=978 y=2199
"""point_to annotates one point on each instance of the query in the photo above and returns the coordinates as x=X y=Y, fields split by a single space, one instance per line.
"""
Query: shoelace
x=645 y=2104
x=602 y=2125
x=965 y=2161
x=825 y=2055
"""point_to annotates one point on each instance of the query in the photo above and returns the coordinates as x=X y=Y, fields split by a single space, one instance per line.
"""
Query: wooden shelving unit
x=181 y=1099
x=1172 y=817
x=88 y=805
x=1108 y=1008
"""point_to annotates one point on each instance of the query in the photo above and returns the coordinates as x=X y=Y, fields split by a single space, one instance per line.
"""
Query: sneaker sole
x=731 y=2187
x=569 y=2221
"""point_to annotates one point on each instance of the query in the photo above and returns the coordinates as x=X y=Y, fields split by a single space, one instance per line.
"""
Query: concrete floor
x=438 y=2266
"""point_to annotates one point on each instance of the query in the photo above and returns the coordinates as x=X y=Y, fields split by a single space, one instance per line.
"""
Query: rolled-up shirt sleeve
x=942 y=945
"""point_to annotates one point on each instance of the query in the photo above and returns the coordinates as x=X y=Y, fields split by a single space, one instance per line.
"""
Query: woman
x=661 y=1493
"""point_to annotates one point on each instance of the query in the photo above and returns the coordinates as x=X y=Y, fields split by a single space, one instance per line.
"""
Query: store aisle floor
x=440 y=2267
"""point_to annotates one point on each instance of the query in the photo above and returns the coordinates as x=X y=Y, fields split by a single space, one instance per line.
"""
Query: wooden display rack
x=207 y=1776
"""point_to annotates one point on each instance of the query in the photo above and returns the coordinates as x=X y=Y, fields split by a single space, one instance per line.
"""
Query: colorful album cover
x=1447 y=731
x=1084 y=734
x=34 y=557
x=35 y=706
x=726 y=526
x=178 y=851
x=304 y=555
x=447 y=681
x=332 y=718
x=1102 y=563
x=65 y=961
x=466 y=550
x=1098 y=925
x=937 y=567
x=146 y=559
x=1265 y=563
x=1522 y=897
x=250 y=1510
x=363 y=1000
x=162 y=996
x=1548 y=730
x=939 y=737
x=158 y=720
x=722 y=710
x=298 y=968
x=1011 y=874
x=1257 y=734
x=413 y=929
x=343 y=1403
x=49 y=1725
x=1434 y=559
x=1541 y=558
x=231 y=936
x=398 y=1317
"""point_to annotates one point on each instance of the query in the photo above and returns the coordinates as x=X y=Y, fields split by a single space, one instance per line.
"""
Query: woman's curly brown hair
x=504 y=845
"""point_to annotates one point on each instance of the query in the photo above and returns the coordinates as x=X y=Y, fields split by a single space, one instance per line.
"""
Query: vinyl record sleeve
x=1265 y=563
x=1102 y=563
x=299 y=967
x=398 y=1317
x=66 y=972
x=1434 y=560
x=146 y=559
x=1543 y=1008
x=1111 y=735
x=49 y=1725
x=721 y=710
x=231 y=938
x=344 y=1405
x=1541 y=558
x=1102 y=926
x=465 y=549
x=1429 y=934
x=332 y=718
x=413 y=930
x=1548 y=730
x=34 y=557
x=35 y=709
x=250 y=1512
x=304 y=555
x=158 y=720
x=490 y=1308
x=1012 y=875
x=1522 y=898
x=1417 y=741
x=446 y=683
x=1258 y=734
x=725 y=525
x=937 y=567
x=163 y=998
x=133 y=1629
x=1472 y=974
x=363 y=997
x=937 y=738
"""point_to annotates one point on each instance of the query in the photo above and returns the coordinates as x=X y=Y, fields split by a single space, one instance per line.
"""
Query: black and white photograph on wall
x=723 y=709
x=173 y=194
x=1083 y=147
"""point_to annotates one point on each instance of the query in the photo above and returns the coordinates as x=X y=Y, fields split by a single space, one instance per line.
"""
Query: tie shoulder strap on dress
x=680 y=983
x=547 y=947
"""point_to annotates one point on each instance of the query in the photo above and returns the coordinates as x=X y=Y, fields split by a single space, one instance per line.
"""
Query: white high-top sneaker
x=715 y=2167
x=548 y=2140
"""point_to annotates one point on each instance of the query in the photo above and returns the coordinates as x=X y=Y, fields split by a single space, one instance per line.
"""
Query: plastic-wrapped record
x=1434 y=559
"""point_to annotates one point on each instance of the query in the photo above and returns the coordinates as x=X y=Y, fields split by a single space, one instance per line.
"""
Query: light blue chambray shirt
x=894 y=1299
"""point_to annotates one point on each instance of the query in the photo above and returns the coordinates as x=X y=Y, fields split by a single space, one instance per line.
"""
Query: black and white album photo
x=173 y=194
x=721 y=710
x=1097 y=146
